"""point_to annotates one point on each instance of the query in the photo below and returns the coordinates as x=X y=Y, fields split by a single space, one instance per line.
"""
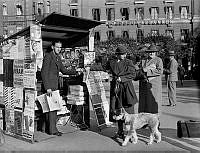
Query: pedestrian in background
x=172 y=72
x=150 y=89
x=51 y=67
x=181 y=73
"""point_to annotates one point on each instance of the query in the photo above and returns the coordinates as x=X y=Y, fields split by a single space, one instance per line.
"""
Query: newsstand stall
x=20 y=64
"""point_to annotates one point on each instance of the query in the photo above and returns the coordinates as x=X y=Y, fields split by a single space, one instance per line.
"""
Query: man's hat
x=152 y=48
x=121 y=50
x=171 y=53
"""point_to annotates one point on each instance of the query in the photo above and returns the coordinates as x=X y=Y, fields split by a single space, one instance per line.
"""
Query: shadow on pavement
x=170 y=136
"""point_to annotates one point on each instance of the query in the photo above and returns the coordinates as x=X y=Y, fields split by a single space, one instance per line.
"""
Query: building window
x=125 y=13
x=40 y=8
x=169 y=11
x=185 y=35
x=5 y=10
x=154 y=32
x=96 y=14
x=110 y=34
x=125 y=34
x=184 y=11
x=139 y=13
x=74 y=12
x=19 y=9
x=73 y=1
x=154 y=12
x=48 y=7
x=110 y=14
x=170 y=33
x=140 y=35
x=97 y=36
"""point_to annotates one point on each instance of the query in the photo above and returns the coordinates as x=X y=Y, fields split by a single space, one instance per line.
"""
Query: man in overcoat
x=51 y=67
x=172 y=72
x=122 y=92
x=150 y=89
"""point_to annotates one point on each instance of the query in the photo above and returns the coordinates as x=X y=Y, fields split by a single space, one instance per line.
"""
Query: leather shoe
x=58 y=133
x=119 y=135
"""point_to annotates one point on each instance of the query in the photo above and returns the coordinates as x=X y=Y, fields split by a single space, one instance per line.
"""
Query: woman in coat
x=150 y=89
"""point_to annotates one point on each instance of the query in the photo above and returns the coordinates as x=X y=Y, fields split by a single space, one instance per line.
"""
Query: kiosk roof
x=62 y=27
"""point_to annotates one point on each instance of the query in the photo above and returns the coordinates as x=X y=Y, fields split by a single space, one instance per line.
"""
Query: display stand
x=98 y=98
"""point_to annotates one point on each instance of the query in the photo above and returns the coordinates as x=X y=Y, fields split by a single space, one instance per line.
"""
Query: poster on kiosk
x=19 y=62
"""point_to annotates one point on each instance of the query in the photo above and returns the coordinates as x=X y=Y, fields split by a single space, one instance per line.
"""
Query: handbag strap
x=187 y=129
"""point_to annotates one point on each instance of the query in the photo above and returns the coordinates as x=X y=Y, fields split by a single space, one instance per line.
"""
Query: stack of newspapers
x=77 y=95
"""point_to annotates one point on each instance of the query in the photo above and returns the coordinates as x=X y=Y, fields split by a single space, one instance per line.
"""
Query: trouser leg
x=51 y=118
x=172 y=92
x=120 y=126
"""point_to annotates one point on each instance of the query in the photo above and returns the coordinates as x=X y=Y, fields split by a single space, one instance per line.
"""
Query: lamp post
x=192 y=35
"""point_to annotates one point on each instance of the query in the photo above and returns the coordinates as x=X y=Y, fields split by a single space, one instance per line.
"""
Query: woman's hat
x=171 y=53
x=121 y=50
x=152 y=48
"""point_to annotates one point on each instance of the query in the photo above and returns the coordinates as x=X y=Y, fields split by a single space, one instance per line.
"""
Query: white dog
x=137 y=121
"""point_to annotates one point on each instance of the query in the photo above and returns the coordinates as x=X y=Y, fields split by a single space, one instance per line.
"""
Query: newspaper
x=50 y=103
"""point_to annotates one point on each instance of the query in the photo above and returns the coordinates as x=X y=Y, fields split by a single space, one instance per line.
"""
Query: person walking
x=150 y=89
x=172 y=72
x=51 y=67
x=181 y=73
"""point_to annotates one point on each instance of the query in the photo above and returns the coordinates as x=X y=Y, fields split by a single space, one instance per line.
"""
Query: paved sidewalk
x=93 y=140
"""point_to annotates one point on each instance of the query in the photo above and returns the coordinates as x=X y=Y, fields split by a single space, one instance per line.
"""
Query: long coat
x=150 y=90
x=125 y=96
x=51 y=67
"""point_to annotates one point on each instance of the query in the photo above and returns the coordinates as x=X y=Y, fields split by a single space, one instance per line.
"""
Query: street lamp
x=192 y=34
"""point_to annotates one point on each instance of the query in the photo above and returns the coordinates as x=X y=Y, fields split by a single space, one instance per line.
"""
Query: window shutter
x=173 y=9
x=180 y=9
x=128 y=10
x=157 y=11
x=142 y=10
x=165 y=9
x=150 y=10
x=93 y=13
x=121 y=11
x=187 y=9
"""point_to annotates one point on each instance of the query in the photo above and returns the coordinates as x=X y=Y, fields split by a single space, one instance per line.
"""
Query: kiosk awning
x=62 y=27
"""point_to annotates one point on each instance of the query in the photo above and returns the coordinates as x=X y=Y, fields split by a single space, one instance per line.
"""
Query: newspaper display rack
x=21 y=57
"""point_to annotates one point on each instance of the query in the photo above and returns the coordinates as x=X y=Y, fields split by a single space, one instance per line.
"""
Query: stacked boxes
x=78 y=98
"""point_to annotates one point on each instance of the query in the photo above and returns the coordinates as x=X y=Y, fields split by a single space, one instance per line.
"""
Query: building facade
x=123 y=18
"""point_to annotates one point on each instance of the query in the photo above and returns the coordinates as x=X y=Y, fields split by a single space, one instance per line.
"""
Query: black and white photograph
x=93 y=76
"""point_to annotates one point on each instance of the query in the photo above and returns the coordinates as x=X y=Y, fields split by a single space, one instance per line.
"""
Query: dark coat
x=125 y=96
x=51 y=67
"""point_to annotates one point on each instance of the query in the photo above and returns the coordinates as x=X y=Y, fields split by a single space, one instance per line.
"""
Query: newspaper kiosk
x=21 y=58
